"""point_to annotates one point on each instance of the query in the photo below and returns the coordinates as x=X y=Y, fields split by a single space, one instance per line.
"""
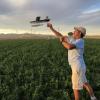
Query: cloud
x=90 y=17
x=17 y=3
x=5 y=8
x=91 y=11
x=18 y=13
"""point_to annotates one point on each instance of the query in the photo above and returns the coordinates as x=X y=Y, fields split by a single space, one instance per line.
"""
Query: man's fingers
x=61 y=39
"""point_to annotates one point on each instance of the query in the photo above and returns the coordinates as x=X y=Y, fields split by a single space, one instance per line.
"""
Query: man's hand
x=63 y=39
x=49 y=25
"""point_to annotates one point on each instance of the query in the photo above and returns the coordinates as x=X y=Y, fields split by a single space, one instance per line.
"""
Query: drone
x=39 y=21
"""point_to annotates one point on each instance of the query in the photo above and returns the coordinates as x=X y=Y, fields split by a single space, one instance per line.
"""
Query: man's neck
x=76 y=38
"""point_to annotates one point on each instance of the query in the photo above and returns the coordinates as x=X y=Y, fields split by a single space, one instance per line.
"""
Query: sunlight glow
x=17 y=3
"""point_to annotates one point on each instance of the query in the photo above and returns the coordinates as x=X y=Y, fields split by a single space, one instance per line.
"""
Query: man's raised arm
x=59 y=35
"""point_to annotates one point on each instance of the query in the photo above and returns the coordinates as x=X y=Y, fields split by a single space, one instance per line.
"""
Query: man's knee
x=85 y=84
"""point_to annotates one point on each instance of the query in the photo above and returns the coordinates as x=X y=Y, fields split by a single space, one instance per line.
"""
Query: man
x=75 y=47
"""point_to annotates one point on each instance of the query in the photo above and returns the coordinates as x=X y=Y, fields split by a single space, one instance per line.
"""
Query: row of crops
x=39 y=70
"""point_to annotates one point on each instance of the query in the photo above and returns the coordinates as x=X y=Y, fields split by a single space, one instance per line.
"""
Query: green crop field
x=39 y=70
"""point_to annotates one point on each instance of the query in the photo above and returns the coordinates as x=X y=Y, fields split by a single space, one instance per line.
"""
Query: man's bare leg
x=89 y=89
x=76 y=94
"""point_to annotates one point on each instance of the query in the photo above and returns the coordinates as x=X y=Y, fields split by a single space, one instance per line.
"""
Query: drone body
x=38 y=21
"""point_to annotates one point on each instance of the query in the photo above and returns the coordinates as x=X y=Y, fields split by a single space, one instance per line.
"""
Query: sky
x=15 y=15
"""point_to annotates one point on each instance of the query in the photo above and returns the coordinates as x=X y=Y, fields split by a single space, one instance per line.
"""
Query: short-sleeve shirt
x=75 y=56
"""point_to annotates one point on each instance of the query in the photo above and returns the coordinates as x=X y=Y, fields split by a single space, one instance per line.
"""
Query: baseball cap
x=81 y=29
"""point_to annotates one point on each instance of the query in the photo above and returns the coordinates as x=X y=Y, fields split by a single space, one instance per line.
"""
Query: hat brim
x=76 y=28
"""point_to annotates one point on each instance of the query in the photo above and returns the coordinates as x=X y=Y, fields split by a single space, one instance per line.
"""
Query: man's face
x=76 y=34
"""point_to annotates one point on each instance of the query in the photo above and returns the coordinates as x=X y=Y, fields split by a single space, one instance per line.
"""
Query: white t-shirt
x=75 y=56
